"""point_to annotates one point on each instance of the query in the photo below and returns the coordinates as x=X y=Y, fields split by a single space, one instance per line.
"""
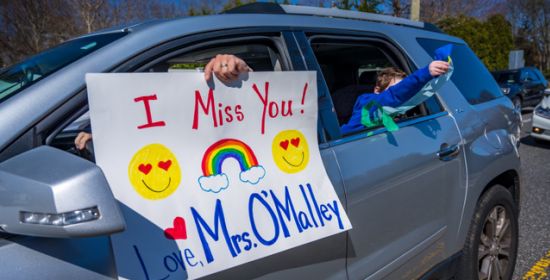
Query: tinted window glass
x=28 y=72
x=507 y=77
x=470 y=76
x=532 y=75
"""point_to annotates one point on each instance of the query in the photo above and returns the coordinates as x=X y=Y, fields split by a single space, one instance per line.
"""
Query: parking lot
x=534 y=236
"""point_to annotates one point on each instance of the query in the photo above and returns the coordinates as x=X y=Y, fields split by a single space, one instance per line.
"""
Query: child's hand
x=81 y=139
x=438 y=68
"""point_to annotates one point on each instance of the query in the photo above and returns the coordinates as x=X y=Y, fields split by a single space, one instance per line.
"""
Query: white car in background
x=541 y=119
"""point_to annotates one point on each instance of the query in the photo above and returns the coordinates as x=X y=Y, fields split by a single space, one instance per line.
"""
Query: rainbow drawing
x=218 y=152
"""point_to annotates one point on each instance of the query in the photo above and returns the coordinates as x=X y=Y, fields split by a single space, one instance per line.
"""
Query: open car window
x=259 y=57
x=350 y=69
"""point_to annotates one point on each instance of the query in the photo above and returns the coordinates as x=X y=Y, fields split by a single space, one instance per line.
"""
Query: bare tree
x=93 y=13
x=532 y=30
x=398 y=8
x=435 y=10
x=31 y=26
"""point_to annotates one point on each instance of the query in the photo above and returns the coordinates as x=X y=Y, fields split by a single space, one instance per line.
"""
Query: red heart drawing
x=295 y=142
x=284 y=144
x=179 y=230
x=165 y=164
x=145 y=169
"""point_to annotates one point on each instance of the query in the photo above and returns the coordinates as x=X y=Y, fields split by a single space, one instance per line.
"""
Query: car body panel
x=56 y=258
x=398 y=200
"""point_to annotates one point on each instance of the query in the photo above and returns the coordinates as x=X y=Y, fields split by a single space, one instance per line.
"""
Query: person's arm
x=401 y=92
x=394 y=95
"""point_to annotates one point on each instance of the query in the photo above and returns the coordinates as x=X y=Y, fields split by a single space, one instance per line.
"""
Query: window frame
x=190 y=47
x=403 y=60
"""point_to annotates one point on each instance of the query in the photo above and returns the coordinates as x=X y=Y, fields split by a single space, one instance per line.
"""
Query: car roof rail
x=274 y=8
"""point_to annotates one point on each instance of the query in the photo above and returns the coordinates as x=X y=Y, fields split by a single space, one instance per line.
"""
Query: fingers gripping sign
x=225 y=67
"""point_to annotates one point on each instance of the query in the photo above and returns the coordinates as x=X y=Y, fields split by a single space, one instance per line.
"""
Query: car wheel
x=491 y=245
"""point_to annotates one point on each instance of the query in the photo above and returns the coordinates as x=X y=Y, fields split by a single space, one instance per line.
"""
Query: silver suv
x=438 y=198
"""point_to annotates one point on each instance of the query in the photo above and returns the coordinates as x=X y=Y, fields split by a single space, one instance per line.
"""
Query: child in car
x=393 y=88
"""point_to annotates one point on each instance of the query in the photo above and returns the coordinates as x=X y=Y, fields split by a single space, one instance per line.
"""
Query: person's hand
x=438 y=68
x=81 y=139
x=226 y=67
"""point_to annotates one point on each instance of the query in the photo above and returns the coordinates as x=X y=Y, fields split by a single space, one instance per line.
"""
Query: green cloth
x=385 y=119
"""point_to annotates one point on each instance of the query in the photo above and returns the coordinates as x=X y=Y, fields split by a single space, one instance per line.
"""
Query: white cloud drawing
x=252 y=175
x=214 y=183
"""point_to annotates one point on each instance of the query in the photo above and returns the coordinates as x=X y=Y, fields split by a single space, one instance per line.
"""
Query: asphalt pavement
x=533 y=261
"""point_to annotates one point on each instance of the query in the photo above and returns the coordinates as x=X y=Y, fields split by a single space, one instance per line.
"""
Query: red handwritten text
x=272 y=108
x=150 y=123
x=219 y=115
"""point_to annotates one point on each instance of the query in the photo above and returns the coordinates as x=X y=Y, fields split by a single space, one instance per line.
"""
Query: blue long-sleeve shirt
x=393 y=96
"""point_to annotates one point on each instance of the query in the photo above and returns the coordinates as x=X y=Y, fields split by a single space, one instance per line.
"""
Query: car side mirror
x=51 y=193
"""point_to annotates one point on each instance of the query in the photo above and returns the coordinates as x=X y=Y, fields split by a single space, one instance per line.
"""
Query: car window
x=531 y=75
x=350 y=69
x=507 y=77
x=28 y=72
x=260 y=57
x=470 y=75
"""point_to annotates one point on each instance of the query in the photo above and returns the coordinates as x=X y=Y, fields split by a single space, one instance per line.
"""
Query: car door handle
x=447 y=152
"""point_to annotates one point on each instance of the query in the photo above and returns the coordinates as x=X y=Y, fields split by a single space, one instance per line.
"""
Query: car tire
x=493 y=234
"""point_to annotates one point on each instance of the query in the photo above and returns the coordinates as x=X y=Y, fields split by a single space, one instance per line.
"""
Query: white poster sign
x=211 y=178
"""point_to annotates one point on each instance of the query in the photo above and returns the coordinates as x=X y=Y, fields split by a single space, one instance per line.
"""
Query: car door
x=403 y=188
x=263 y=50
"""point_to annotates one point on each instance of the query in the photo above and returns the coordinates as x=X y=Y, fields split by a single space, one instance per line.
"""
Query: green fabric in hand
x=380 y=117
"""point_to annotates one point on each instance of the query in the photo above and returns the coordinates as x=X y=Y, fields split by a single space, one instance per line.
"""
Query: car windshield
x=19 y=76
x=506 y=77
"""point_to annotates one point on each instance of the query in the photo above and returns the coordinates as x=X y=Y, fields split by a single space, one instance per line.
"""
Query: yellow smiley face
x=290 y=151
x=154 y=172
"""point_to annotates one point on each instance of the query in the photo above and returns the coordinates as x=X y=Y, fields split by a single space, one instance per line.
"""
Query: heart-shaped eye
x=295 y=142
x=284 y=144
x=145 y=168
x=165 y=164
